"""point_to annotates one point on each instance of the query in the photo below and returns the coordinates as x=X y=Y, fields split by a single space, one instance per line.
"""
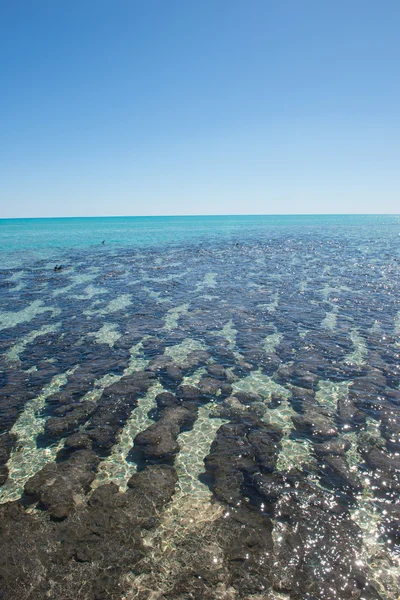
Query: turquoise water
x=300 y=312
x=35 y=235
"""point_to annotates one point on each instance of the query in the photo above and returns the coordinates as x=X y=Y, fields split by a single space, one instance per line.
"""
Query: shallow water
x=301 y=311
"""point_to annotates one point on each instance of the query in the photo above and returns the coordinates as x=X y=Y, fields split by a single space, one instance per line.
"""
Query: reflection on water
x=300 y=326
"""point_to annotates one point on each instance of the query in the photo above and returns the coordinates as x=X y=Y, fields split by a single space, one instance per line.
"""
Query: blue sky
x=131 y=107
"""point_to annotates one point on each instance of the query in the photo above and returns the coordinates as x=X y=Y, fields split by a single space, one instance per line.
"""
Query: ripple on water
x=108 y=334
x=116 y=468
x=12 y=319
x=359 y=354
x=12 y=355
x=173 y=314
x=27 y=459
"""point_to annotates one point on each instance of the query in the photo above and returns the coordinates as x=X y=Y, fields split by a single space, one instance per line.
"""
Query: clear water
x=286 y=286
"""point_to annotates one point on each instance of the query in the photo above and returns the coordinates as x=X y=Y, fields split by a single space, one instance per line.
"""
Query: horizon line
x=204 y=215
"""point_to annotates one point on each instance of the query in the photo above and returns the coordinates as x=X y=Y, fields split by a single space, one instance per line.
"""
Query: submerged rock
x=159 y=440
x=336 y=473
x=240 y=449
x=58 y=487
x=335 y=447
x=7 y=442
x=93 y=549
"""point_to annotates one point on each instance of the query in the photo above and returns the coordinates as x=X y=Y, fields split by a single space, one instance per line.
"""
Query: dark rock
x=335 y=447
x=174 y=373
x=385 y=470
x=390 y=428
x=231 y=408
x=216 y=371
x=74 y=416
x=315 y=424
x=156 y=482
x=115 y=407
x=7 y=443
x=57 y=486
x=189 y=392
x=209 y=386
x=247 y=397
x=225 y=389
x=160 y=439
x=349 y=416
x=390 y=524
x=316 y=545
x=78 y=441
x=335 y=472
x=3 y=474
x=239 y=450
x=166 y=400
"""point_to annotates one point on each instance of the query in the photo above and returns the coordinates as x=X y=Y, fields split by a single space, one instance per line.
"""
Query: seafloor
x=209 y=422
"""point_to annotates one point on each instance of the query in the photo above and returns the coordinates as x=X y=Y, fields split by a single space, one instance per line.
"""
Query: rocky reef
x=202 y=423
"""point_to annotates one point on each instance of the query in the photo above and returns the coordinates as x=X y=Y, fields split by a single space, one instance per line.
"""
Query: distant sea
x=21 y=239
x=246 y=370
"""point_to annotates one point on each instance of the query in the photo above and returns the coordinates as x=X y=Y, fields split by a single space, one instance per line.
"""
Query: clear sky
x=128 y=107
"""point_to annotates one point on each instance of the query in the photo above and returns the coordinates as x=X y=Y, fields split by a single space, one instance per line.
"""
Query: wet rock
x=216 y=371
x=7 y=443
x=247 y=398
x=231 y=408
x=301 y=377
x=393 y=395
x=240 y=449
x=390 y=524
x=189 y=392
x=315 y=547
x=115 y=407
x=166 y=400
x=367 y=392
x=335 y=447
x=336 y=473
x=3 y=474
x=225 y=390
x=242 y=368
x=174 y=373
x=390 y=428
x=102 y=438
x=283 y=374
x=78 y=441
x=153 y=346
x=265 y=442
x=385 y=470
x=224 y=356
x=317 y=425
x=226 y=558
x=247 y=542
x=57 y=487
x=270 y=486
x=230 y=456
x=160 y=439
x=270 y=364
x=156 y=483
x=209 y=386
x=195 y=359
x=74 y=416
x=349 y=416
x=159 y=364
x=14 y=395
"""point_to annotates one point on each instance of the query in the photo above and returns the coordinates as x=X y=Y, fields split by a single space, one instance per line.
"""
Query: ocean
x=200 y=407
